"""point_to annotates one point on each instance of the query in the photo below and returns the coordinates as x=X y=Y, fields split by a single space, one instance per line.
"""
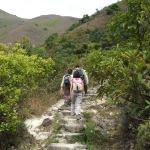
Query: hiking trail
x=70 y=126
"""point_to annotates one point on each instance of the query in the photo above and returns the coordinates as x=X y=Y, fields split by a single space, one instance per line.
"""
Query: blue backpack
x=67 y=79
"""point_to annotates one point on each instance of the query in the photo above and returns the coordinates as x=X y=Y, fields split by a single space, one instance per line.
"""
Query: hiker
x=84 y=77
x=86 y=81
x=76 y=93
x=65 y=85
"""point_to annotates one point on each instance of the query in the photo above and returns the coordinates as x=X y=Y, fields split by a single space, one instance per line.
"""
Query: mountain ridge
x=40 y=28
x=37 y=29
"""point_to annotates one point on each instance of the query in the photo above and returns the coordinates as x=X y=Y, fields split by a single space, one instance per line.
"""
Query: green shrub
x=143 y=137
x=19 y=73
x=114 y=7
x=73 y=26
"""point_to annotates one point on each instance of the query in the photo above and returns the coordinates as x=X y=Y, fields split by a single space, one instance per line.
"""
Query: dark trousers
x=85 y=88
x=67 y=95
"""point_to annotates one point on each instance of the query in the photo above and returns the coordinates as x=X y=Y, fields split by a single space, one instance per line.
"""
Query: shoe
x=78 y=117
x=66 y=103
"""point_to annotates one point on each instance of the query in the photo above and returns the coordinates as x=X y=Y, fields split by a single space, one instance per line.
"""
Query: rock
x=46 y=122
x=12 y=148
x=54 y=108
x=105 y=133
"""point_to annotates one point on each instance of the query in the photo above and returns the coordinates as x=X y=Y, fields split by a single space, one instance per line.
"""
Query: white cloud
x=34 y=8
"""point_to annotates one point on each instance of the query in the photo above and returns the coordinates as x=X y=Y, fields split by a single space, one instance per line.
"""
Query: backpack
x=67 y=79
x=77 y=85
x=80 y=72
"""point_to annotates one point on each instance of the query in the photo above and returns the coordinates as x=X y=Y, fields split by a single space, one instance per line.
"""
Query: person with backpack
x=76 y=93
x=65 y=85
x=86 y=81
x=83 y=76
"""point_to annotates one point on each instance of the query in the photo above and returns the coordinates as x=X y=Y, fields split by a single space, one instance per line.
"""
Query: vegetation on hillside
x=37 y=29
x=19 y=75
x=127 y=66
x=118 y=52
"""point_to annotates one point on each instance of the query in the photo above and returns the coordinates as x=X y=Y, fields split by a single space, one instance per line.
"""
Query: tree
x=50 y=41
x=25 y=44
x=132 y=26
x=100 y=35
x=126 y=67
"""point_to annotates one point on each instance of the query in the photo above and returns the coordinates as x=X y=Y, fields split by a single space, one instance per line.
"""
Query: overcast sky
x=33 y=8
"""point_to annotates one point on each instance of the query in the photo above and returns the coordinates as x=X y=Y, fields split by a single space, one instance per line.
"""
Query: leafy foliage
x=40 y=52
x=132 y=26
x=81 y=21
x=112 y=8
x=125 y=71
x=50 y=41
x=126 y=67
x=19 y=74
x=100 y=35
x=25 y=44
x=144 y=134
x=73 y=26
x=118 y=55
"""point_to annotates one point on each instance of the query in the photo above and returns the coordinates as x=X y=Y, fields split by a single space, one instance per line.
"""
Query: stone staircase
x=70 y=126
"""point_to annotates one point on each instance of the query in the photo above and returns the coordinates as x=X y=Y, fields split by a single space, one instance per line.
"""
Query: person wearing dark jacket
x=66 y=88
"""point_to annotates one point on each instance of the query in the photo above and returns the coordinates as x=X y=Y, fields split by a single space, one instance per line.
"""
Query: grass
x=3 y=37
x=4 y=21
x=21 y=139
x=51 y=140
x=51 y=24
x=37 y=104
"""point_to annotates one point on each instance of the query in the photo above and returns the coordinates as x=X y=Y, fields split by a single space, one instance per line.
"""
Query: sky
x=29 y=9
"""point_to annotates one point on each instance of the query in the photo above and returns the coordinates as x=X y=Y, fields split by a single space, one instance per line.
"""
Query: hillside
x=36 y=29
x=117 y=64
x=99 y=19
x=39 y=28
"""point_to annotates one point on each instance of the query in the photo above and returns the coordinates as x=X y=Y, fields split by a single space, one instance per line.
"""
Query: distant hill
x=99 y=19
x=36 y=29
x=39 y=28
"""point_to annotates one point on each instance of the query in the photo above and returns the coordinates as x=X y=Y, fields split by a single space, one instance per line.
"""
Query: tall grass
x=38 y=104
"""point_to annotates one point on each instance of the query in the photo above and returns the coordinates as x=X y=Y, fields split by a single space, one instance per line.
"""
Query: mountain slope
x=99 y=20
x=36 y=29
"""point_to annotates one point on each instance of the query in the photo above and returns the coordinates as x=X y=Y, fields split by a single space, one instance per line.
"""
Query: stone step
x=64 y=146
x=86 y=98
x=73 y=128
x=66 y=112
x=68 y=136
x=85 y=107
x=90 y=94
x=64 y=108
x=72 y=120
x=91 y=91
x=61 y=140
